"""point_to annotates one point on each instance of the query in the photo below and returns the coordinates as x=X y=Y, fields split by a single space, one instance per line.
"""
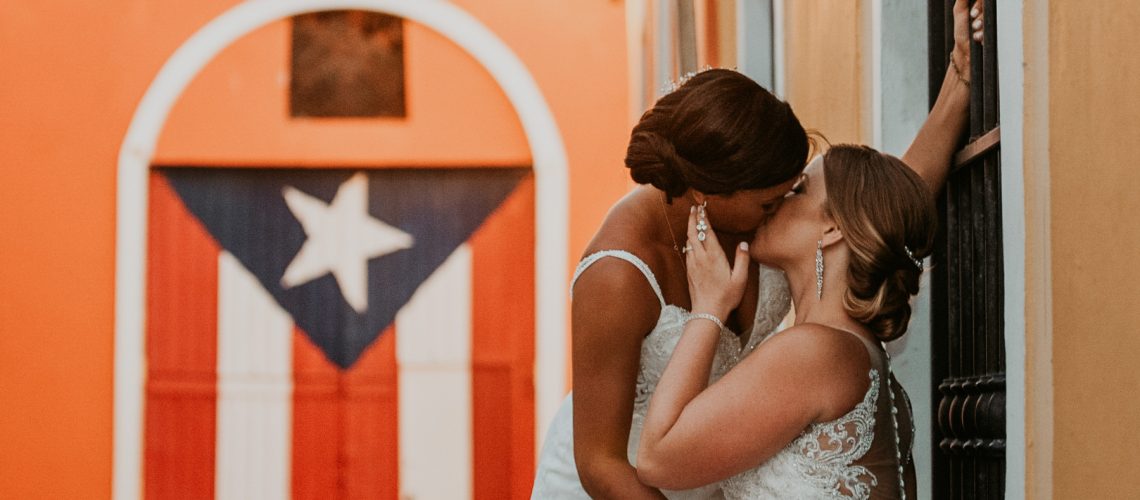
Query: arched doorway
x=549 y=163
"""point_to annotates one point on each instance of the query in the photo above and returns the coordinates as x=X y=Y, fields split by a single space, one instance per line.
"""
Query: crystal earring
x=702 y=225
x=819 y=269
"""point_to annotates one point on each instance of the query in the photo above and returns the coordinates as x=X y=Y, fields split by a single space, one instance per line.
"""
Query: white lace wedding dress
x=855 y=456
x=557 y=476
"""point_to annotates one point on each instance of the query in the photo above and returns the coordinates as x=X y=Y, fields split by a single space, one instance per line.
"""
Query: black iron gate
x=968 y=348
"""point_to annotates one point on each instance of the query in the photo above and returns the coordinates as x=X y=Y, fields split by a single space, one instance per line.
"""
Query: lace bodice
x=658 y=347
x=557 y=477
x=849 y=457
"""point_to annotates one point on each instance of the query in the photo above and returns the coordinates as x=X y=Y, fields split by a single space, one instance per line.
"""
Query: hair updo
x=883 y=209
x=718 y=133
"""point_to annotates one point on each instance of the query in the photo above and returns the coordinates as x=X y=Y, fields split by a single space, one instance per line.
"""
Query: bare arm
x=806 y=374
x=607 y=336
x=692 y=434
x=933 y=148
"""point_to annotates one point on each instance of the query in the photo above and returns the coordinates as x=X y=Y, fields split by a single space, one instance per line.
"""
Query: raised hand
x=714 y=287
x=967 y=25
x=977 y=13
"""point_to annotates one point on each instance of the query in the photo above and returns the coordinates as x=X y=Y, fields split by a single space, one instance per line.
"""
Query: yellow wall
x=824 y=67
x=73 y=74
x=1095 y=206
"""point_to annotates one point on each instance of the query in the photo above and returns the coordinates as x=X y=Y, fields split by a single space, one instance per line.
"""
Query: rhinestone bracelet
x=714 y=319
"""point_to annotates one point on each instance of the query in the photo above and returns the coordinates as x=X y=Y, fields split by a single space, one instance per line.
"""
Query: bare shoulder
x=625 y=225
x=612 y=291
x=615 y=283
x=830 y=366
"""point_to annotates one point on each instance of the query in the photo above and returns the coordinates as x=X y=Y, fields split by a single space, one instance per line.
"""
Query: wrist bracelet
x=958 y=71
x=714 y=319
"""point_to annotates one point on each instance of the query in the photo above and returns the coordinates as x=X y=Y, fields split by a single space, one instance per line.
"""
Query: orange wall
x=73 y=75
x=236 y=112
x=1095 y=241
x=823 y=67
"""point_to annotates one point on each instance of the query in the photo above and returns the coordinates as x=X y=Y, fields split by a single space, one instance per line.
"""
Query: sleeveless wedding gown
x=855 y=456
x=557 y=475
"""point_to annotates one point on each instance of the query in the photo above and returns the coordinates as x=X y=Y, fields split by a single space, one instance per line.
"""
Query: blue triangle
x=244 y=210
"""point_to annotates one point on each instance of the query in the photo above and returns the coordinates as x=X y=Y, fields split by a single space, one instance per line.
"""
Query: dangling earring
x=702 y=226
x=819 y=269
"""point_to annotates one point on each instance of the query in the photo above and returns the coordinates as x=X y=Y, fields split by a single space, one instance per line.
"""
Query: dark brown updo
x=718 y=133
x=883 y=209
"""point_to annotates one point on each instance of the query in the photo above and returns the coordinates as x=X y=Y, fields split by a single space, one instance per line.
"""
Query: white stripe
x=551 y=199
x=255 y=388
x=433 y=352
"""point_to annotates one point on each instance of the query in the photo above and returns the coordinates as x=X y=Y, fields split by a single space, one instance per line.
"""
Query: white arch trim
x=551 y=202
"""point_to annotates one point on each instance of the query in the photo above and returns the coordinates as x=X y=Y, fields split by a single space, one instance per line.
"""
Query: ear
x=831 y=236
x=698 y=197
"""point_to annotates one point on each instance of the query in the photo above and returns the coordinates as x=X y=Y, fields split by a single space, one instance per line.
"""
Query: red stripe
x=502 y=349
x=181 y=350
x=316 y=422
x=371 y=426
x=345 y=432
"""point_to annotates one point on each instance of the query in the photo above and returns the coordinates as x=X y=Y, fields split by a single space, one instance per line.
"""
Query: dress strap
x=882 y=363
x=623 y=255
x=877 y=360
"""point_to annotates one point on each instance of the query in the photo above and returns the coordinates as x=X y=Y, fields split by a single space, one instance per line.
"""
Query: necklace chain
x=672 y=236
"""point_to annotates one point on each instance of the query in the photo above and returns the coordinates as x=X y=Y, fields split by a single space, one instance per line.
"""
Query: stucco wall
x=73 y=76
x=823 y=72
x=1093 y=126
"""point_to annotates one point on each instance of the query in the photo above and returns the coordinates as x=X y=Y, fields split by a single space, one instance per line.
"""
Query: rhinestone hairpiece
x=676 y=84
x=917 y=262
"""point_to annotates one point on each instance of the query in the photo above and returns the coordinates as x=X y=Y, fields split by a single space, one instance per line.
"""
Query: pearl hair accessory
x=917 y=262
x=676 y=84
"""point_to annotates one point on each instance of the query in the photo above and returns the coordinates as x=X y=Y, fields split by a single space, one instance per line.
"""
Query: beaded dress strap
x=623 y=255
x=884 y=363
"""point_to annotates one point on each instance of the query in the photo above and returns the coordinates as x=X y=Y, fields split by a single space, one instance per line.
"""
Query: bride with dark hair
x=720 y=140
x=722 y=143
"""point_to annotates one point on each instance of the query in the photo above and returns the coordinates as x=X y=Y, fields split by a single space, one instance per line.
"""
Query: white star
x=342 y=237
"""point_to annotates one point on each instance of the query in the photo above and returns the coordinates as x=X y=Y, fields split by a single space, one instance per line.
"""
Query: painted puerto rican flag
x=316 y=333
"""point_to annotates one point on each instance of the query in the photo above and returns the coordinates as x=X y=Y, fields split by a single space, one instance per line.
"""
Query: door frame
x=1023 y=47
x=137 y=151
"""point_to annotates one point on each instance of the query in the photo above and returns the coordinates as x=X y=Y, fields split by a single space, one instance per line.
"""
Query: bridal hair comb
x=917 y=262
x=676 y=84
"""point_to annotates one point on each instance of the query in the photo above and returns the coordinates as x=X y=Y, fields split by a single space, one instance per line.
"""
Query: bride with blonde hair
x=814 y=411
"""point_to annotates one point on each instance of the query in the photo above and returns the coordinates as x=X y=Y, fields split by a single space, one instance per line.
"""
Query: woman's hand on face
x=713 y=287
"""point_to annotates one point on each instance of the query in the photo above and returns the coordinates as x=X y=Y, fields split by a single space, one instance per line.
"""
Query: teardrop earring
x=819 y=269
x=702 y=225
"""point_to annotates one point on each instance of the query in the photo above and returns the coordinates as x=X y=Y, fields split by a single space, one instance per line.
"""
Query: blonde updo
x=887 y=215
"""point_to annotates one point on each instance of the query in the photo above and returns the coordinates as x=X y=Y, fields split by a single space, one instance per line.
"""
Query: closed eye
x=799 y=187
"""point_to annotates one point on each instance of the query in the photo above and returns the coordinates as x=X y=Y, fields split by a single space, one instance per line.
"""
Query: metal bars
x=968 y=349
